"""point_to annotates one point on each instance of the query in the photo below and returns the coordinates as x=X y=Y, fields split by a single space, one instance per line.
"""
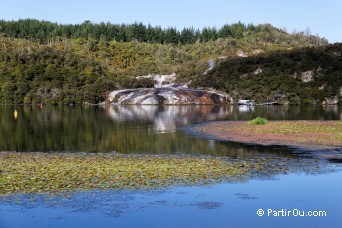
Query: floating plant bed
x=43 y=172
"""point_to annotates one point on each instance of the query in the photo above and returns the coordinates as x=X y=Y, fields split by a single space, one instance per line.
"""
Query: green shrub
x=258 y=121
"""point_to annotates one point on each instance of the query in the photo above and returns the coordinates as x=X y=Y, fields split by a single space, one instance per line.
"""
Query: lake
x=311 y=183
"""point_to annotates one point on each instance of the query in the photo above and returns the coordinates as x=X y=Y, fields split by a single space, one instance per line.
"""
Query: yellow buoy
x=15 y=114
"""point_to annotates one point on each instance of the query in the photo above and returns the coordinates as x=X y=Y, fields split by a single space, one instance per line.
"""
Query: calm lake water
x=165 y=130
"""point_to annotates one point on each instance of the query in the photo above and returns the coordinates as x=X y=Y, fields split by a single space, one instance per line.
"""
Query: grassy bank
x=310 y=134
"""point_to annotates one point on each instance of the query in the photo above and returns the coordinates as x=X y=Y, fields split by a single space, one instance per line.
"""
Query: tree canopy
x=44 y=31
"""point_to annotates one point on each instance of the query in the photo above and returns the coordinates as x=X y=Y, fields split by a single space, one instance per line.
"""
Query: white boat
x=246 y=102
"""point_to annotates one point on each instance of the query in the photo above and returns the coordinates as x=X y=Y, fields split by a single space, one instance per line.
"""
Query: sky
x=322 y=17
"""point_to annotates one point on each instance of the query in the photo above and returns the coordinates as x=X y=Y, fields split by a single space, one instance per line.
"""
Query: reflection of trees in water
x=246 y=108
x=149 y=136
x=151 y=129
x=288 y=112
x=91 y=129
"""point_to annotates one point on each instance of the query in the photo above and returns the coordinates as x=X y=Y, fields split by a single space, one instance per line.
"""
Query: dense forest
x=44 y=62
x=43 y=32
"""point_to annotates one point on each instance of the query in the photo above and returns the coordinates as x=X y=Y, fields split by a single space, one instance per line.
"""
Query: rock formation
x=173 y=95
x=167 y=92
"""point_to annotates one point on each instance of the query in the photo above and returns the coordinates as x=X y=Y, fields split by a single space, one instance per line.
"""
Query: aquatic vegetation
x=40 y=173
x=207 y=205
x=68 y=172
x=258 y=121
x=308 y=134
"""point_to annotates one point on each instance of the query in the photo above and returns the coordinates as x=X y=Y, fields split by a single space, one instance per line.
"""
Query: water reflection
x=127 y=129
x=165 y=119
x=245 y=108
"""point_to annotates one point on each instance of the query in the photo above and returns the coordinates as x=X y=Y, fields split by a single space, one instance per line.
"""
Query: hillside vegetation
x=301 y=76
x=44 y=62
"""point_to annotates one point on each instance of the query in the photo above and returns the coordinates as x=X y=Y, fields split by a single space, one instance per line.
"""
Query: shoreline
x=294 y=135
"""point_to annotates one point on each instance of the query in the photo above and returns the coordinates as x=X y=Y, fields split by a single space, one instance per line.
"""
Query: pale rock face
x=168 y=96
x=211 y=64
x=112 y=96
x=258 y=71
x=295 y=75
x=150 y=100
x=257 y=51
x=161 y=80
x=330 y=101
x=241 y=53
x=307 y=76
x=164 y=80
x=321 y=87
x=341 y=91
